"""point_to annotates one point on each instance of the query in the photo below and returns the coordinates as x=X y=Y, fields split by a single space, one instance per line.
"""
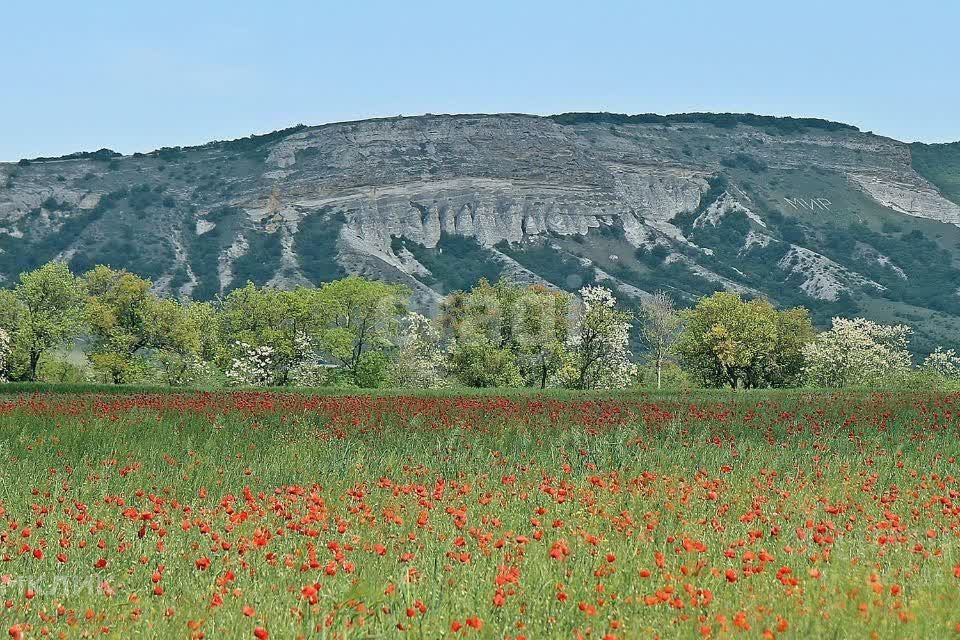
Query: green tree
x=482 y=364
x=531 y=323
x=254 y=318
x=174 y=340
x=207 y=321
x=52 y=302
x=12 y=316
x=727 y=341
x=343 y=321
x=129 y=324
x=355 y=316
x=541 y=331
x=785 y=367
x=372 y=369
x=478 y=314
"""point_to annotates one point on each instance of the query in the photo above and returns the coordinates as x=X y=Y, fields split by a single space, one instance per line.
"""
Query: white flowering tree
x=264 y=327
x=252 y=366
x=943 y=364
x=418 y=361
x=313 y=373
x=179 y=369
x=599 y=350
x=857 y=351
x=4 y=354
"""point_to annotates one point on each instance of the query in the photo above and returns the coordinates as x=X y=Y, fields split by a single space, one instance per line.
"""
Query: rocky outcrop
x=909 y=194
x=724 y=206
x=507 y=178
x=822 y=278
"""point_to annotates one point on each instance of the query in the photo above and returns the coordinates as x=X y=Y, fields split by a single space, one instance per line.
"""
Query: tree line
x=109 y=326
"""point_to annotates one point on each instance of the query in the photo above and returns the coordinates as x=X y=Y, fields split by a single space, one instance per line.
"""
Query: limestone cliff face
x=494 y=178
x=593 y=189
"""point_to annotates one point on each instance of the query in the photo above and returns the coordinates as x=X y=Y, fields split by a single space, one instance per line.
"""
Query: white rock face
x=204 y=226
x=908 y=194
x=239 y=248
x=89 y=201
x=755 y=239
x=886 y=262
x=724 y=206
x=823 y=278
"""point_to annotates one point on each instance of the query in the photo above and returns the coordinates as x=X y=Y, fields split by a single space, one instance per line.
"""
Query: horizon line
x=302 y=126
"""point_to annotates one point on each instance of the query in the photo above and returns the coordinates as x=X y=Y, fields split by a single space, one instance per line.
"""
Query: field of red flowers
x=256 y=515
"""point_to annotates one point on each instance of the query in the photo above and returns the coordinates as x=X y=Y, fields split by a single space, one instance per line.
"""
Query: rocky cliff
x=803 y=211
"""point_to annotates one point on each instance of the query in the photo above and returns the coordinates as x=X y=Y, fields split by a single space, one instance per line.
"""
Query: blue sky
x=134 y=76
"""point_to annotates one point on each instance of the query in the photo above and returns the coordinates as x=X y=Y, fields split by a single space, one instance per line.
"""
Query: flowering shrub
x=856 y=351
x=944 y=364
x=253 y=367
x=312 y=374
x=177 y=369
x=599 y=354
x=418 y=362
x=4 y=354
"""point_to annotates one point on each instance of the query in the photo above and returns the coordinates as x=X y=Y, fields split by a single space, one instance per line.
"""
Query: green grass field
x=707 y=514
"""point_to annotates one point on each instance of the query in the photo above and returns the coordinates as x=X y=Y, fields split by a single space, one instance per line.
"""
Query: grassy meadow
x=791 y=514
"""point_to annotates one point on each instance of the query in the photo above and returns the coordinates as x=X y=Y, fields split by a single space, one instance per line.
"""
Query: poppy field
x=285 y=515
